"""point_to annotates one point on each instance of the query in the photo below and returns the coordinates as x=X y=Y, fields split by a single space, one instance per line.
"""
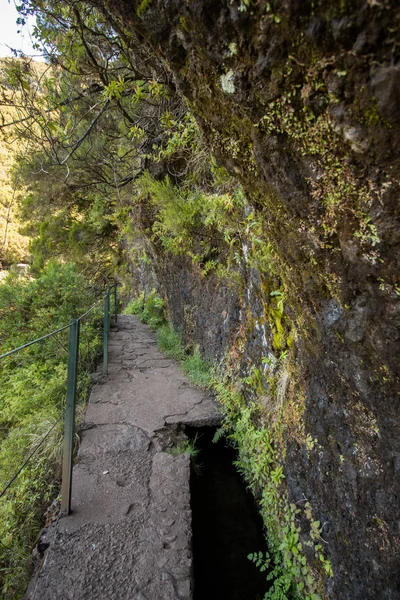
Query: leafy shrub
x=32 y=397
x=136 y=305
x=150 y=310
x=191 y=222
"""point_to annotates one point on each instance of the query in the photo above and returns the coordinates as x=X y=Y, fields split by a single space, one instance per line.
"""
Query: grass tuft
x=197 y=370
x=189 y=447
x=170 y=342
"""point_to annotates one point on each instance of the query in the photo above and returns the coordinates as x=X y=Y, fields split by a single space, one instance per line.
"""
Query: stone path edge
x=129 y=534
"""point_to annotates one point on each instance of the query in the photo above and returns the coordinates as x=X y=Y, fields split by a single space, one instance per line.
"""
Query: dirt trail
x=129 y=534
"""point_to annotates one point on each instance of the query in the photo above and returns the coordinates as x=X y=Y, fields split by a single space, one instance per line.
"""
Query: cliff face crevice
x=299 y=101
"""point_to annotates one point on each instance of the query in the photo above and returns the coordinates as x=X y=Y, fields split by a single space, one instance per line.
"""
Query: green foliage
x=13 y=246
x=149 y=309
x=255 y=380
x=32 y=397
x=80 y=127
x=136 y=305
x=188 y=221
x=143 y=6
x=275 y=311
x=186 y=447
x=183 y=138
x=260 y=560
x=286 y=564
x=153 y=313
x=170 y=342
x=198 y=370
x=218 y=435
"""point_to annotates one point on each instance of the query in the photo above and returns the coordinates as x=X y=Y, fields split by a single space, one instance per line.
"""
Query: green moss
x=143 y=6
x=372 y=116
x=184 y=23
x=255 y=381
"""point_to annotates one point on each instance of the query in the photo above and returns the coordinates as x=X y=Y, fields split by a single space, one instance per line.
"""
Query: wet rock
x=343 y=30
x=316 y=28
x=348 y=353
x=385 y=83
x=357 y=138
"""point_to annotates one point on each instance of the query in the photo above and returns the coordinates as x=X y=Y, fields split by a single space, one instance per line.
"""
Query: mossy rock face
x=300 y=101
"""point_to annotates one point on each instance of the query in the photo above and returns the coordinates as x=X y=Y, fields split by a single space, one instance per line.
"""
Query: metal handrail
x=106 y=329
x=55 y=331
x=35 y=341
x=36 y=448
x=72 y=378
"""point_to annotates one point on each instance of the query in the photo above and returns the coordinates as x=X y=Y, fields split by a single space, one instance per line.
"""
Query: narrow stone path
x=129 y=534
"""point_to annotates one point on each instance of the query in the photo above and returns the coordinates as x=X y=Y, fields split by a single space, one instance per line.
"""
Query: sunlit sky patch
x=9 y=36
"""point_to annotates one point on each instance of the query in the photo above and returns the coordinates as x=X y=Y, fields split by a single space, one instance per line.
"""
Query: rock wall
x=300 y=101
x=206 y=311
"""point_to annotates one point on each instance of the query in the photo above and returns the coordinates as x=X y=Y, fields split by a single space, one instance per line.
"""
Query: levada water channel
x=226 y=524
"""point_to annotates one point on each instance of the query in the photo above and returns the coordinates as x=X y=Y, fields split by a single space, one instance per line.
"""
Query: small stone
x=343 y=30
x=161 y=561
x=355 y=136
x=183 y=588
x=105 y=472
x=332 y=312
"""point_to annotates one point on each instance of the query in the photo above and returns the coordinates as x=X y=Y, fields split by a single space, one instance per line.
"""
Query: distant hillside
x=13 y=245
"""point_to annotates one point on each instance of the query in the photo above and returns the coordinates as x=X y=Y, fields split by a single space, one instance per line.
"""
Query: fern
x=218 y=435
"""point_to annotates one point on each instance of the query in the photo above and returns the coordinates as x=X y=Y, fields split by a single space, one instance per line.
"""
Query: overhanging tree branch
x=88 y=130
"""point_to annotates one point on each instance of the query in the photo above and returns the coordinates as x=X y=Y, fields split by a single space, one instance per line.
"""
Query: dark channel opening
x=226 y=524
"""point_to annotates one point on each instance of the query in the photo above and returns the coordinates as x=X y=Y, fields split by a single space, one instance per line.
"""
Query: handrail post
x=69 y=427
x=106 y=330
x=115 y=304
x=109 y=309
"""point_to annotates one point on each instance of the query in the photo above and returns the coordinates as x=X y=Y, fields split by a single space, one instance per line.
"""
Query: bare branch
x=88 y=130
